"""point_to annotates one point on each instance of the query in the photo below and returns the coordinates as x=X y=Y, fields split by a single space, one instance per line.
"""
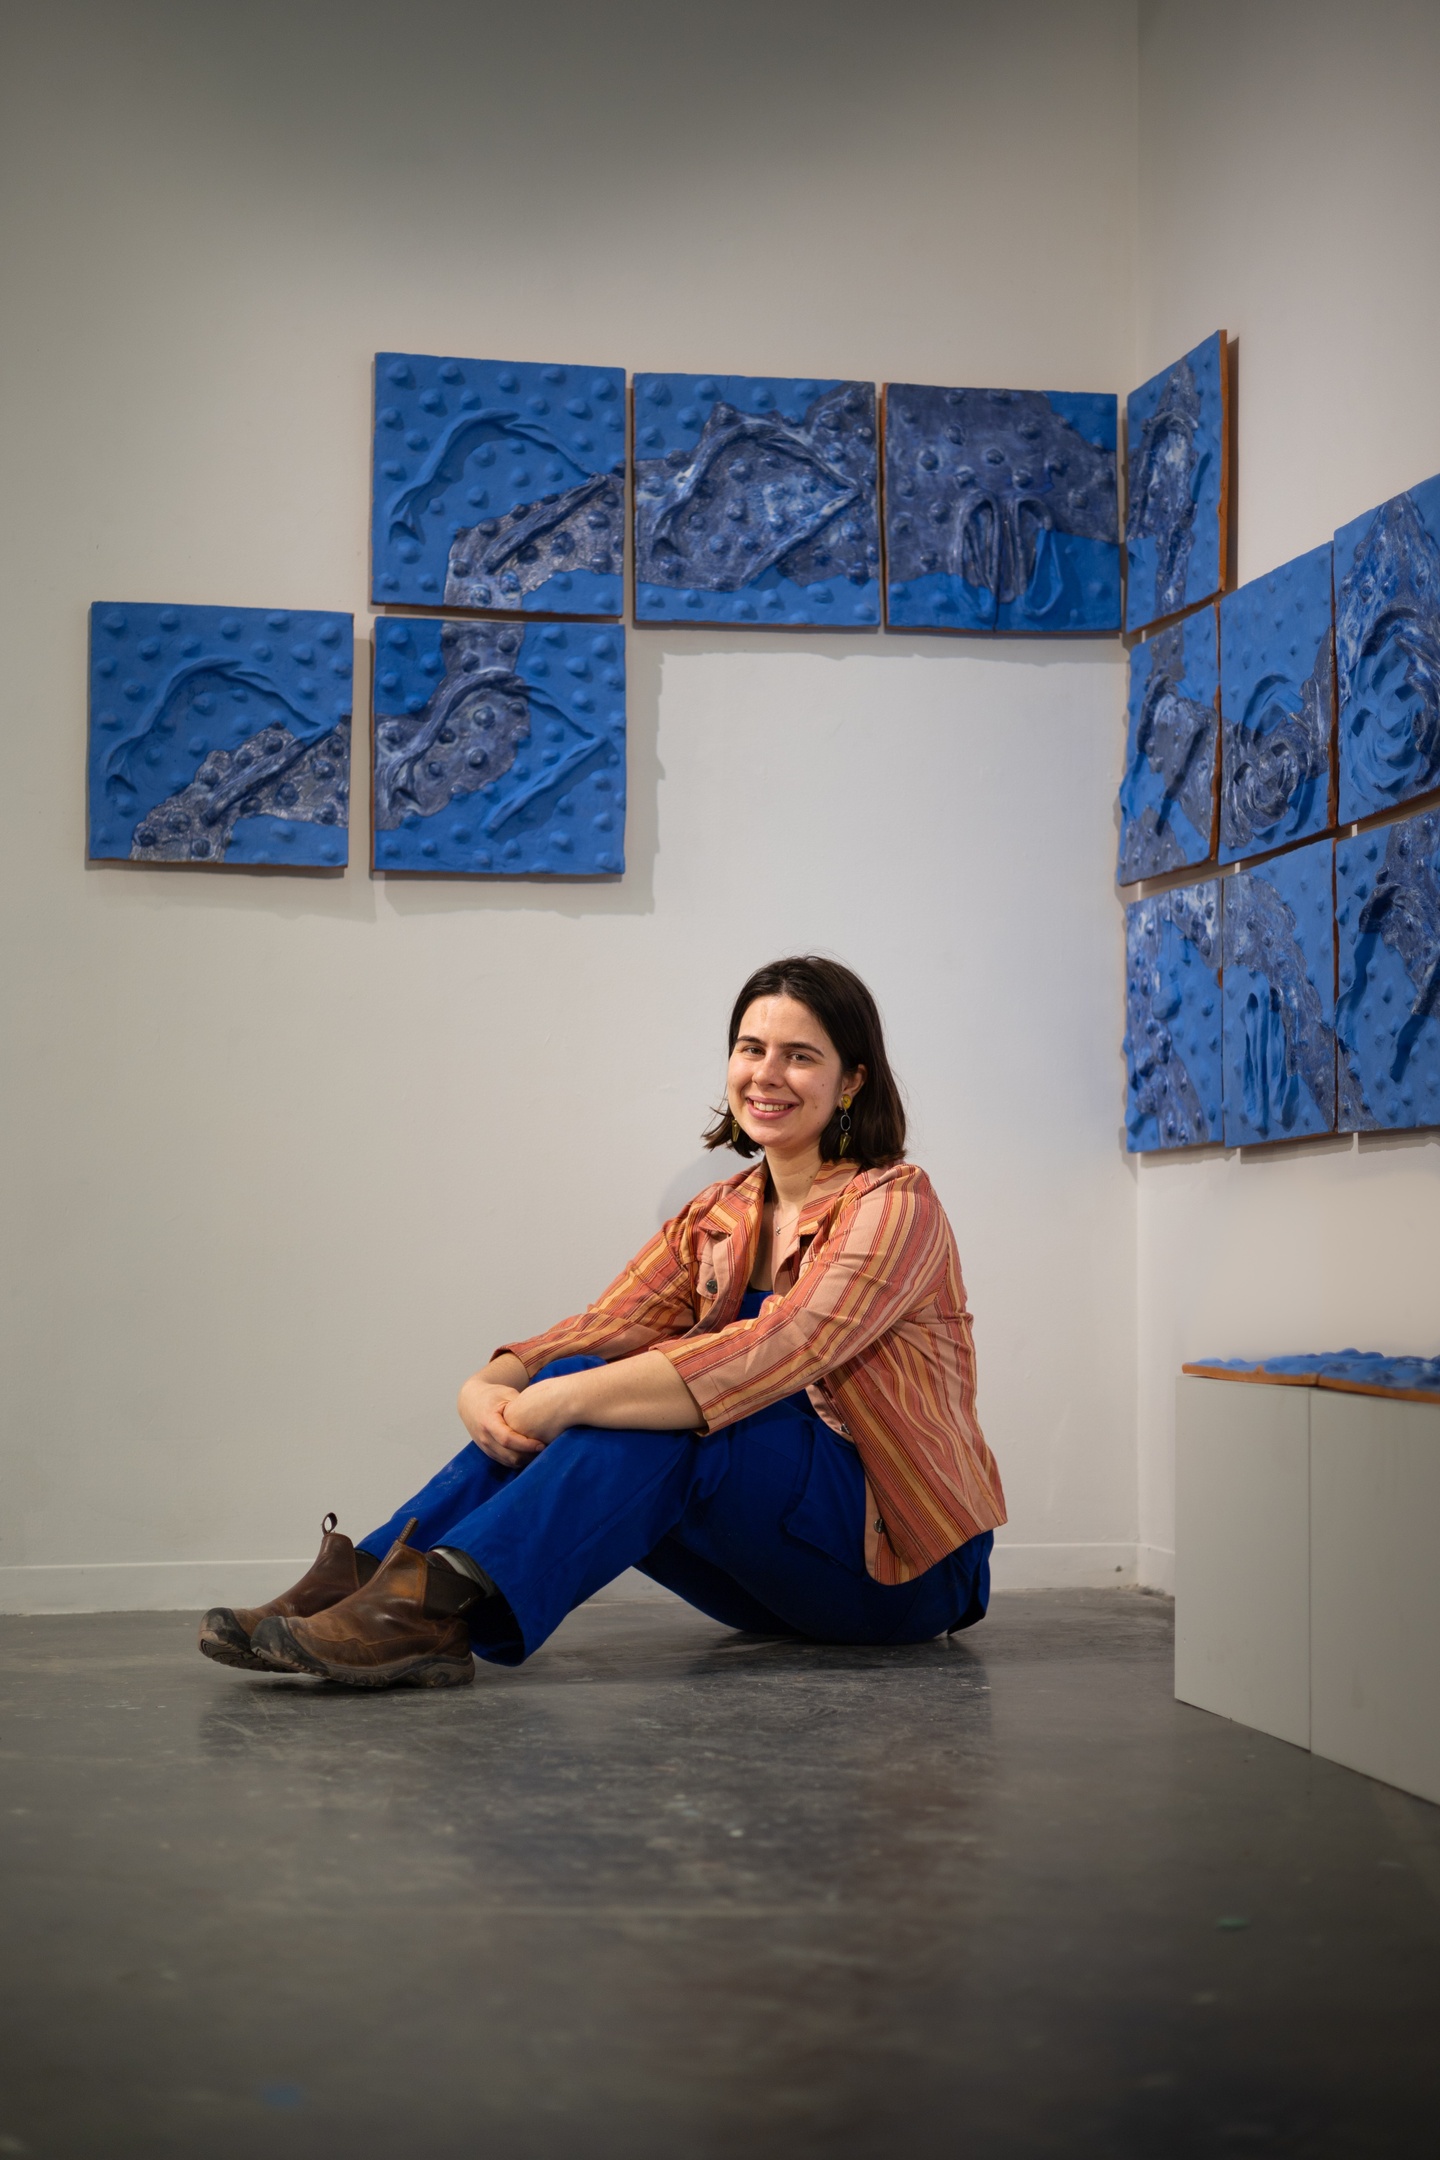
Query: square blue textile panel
x=1167 y=797
x=1000 y=510
x=1280 y=998
x=499 y=748
x=1277 y=707
x=1177 y=429
x=1173 y=1018
x=1387 y=652
x=1387 y=885
x=499 y=484
x=756 y=502
x=220 y=735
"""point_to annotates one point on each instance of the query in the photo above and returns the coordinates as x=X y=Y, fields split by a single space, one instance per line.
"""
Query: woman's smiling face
x=785 y=1079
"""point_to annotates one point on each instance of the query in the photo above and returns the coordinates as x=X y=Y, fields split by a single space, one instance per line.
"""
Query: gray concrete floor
x=673 y=1892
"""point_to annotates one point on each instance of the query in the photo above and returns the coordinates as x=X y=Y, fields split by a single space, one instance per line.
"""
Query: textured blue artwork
x=220 y=735
x=1359 y=1372
x=1387 y=1018
x=1000 y=510
x=1387 y=650
x=1167 y=797
x=756 y=501
x=499 y=485
x=1177 y=426
x=1173 y=1019
x=1277 y=707
x=1280 y=998
x=499 y=748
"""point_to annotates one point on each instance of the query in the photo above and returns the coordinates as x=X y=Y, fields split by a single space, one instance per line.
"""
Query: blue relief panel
x=1279 y=998
x=1387 y=652
x=1387 y=1018
x=499 y=484
x=1177 y=427
x=499 y=748
x=1173 y=1018
x=1167 y=797
x=220 y=735
x=1277 y=707
x=1000 y=510
x=756 y=501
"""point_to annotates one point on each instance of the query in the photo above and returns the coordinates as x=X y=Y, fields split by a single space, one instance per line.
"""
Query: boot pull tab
x=328 y=1525
x=404 y=1537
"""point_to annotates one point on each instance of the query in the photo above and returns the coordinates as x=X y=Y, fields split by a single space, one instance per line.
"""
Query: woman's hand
x=482 y=1407
x=542 y=1413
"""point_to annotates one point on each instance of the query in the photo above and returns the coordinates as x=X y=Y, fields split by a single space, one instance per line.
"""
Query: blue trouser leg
x=760 y=1525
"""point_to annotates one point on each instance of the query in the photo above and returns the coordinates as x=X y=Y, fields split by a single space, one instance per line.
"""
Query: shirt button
x=879 y=1525
x=712 y=1286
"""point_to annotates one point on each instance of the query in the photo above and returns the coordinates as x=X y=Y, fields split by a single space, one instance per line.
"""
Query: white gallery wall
x=286 y=1156
x=1290 y=193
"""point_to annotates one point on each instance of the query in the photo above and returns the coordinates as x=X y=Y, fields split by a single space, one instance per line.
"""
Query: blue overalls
x=761 y=1525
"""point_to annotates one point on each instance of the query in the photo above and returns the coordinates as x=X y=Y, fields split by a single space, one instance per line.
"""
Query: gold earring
x=734 y=1128
x=845 y=1102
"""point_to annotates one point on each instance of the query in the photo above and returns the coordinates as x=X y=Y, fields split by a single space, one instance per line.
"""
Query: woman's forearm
x=643 y=1392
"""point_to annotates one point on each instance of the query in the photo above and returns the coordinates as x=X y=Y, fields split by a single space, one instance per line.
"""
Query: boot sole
x=223 y=1639
x=287 y=1655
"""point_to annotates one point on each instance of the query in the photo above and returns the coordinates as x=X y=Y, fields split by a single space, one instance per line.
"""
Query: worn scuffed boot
x=225 y=1632
x=404 y=1628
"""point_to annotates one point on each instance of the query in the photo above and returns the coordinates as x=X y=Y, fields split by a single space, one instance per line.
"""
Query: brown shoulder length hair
x=851 y=1019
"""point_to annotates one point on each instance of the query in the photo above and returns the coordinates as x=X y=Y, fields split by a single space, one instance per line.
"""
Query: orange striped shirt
x=868 y=1313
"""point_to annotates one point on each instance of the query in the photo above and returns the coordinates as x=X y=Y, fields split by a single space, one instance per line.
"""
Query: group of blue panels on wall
x=1234 y=1028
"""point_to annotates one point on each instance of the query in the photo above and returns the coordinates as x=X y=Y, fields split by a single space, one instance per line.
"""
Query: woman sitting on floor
x=771 y=1411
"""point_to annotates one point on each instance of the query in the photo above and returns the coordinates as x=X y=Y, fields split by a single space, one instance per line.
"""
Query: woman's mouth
x=768 y=1110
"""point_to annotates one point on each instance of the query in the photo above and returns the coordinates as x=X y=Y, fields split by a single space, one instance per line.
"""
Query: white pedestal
x=1242 y=1554
x=1307 y=1571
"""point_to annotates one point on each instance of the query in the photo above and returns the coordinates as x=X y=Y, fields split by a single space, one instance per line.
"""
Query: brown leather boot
x=338 y=1570
x=404 y=1628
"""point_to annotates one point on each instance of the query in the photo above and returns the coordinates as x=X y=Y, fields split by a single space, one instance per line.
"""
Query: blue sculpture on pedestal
x=1000 y=510
x=1167 y=797
x=1279 y=998
x=1277 y=707
x=756 y=501
x=499 y=485
x=1388 y=1012
x=499 y=748
x=1177 y=428
x=1173 y=1018
x=220 y=735
x=1387 y=649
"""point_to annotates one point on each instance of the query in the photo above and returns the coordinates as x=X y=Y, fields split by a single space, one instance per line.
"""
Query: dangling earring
x=734 y=1128
x=845 y=1102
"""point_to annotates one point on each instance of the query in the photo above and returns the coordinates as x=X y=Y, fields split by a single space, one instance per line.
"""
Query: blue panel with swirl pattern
x=1387 y=1016
x=1387 y=652
x=1280 y=998
x=1167 y=797
x=1177 y=428
x=1277 y=707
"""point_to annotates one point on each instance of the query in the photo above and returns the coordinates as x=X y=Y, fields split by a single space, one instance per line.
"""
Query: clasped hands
x=513 y=1422
x=513 y=1425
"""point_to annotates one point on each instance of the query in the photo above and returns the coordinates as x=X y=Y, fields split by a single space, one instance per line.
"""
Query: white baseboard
x=1062 y=1567
x=1155 y=1568
x=193 y=1585
x=145 y=1585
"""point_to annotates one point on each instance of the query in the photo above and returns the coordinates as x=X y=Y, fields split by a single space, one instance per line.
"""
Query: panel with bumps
x=1000 y=510
x=498 y=485
x=1387 y=1019
x=1277 y=707
x=220 y=735
x=1173 y=1018
x=1167 y=797
x=1387 y=652
x=1177 y=430
x=756 y=501
x=499 y=748
x=1279 y=998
